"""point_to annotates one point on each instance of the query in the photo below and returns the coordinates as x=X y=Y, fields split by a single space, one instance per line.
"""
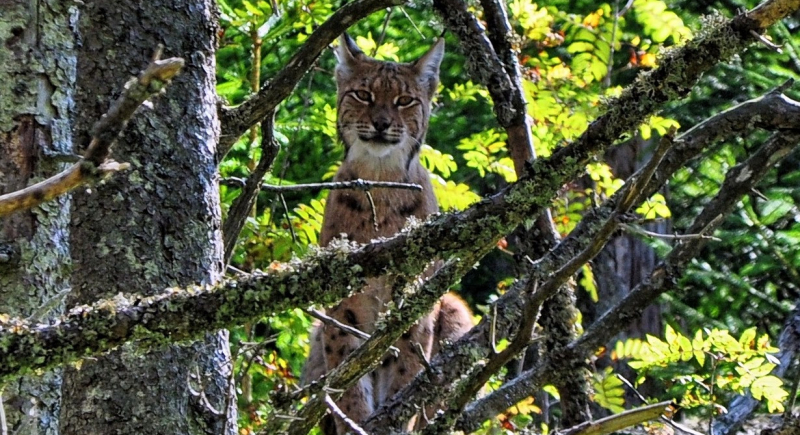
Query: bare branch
x=633 y=229
x=95 y=165
x=244 y=203
x=236 y=120
x=357 y=184
x=617 y=422
x=346 y=328
x=338 y=412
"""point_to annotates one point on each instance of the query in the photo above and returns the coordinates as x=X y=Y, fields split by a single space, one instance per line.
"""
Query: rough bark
x=156 y=226
x=37 y=69
x=625 y=262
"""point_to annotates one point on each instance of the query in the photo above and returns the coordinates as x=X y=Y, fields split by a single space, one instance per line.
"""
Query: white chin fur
x=380 y=155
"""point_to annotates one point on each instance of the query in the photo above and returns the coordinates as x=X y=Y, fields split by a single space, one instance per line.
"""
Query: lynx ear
x=428 y=66
x=348 y=54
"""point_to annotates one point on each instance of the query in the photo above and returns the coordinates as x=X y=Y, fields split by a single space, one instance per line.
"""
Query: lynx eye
x=404 y=101
x=363 y=96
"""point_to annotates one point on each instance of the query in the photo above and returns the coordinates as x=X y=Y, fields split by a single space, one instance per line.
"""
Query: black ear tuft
x=348 y=54
x=428 y=66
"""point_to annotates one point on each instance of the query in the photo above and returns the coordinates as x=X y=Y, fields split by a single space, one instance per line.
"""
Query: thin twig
x=237 y=270
x=643 y=232
x=288 y=218
x=379 y=42
x=767 y=42
x=243 y=204
x=493 y=329
x=422 y=358
x=254 y=353
x=338 y=412
x=664 y=418
x=792 y=396
x=346 y=328
x=374 y=213
x=612 y=45
x=3 y=423
x=333 y=322
x=358 y=184
x=200 y=394
x=413 y=24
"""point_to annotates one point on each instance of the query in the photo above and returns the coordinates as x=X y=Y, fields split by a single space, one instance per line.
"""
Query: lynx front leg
x=452 y=320
x=357 y=402
x=397 y=372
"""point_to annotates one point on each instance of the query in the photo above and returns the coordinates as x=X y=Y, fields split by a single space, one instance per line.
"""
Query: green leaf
x=771 y=389
x=660 y=23
x=609 y=391
x=775 y=209
x=698 y=348
x=587 y=282
x=252 y=9
x=748 y=338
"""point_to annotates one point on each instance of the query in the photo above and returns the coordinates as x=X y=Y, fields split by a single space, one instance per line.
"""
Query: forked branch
x=95 y=164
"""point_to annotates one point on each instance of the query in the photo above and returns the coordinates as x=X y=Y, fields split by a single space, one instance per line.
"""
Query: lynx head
x=383 y=107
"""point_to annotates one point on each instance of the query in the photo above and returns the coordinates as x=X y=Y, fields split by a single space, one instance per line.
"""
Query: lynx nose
x=381 y=124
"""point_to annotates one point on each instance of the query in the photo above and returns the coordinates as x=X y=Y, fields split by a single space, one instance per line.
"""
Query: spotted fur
x=383 y=113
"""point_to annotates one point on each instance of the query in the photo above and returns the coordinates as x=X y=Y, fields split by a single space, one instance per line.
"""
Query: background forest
x=732 y=301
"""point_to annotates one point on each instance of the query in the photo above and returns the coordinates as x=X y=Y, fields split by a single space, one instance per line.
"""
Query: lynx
x=383 y=112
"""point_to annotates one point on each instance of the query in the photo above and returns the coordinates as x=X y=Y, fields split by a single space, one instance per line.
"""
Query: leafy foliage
x=609 y=392
x=707 y=366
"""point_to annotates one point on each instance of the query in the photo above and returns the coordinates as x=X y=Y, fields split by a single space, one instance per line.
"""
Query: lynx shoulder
x=383 y=113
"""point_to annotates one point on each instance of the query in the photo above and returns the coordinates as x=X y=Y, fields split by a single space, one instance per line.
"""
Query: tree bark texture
x=37 y=69
x=624 y=263
x=154 y=226
x=627 y=260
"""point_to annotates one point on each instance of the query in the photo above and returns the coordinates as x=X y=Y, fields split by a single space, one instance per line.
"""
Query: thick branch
x=738 y=181
x=95 y=166
x=236 y=120
x=483 y=63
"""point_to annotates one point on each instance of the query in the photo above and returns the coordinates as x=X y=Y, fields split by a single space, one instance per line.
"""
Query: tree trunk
x=37 y=69
x=155 y=226
x=624 y=263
